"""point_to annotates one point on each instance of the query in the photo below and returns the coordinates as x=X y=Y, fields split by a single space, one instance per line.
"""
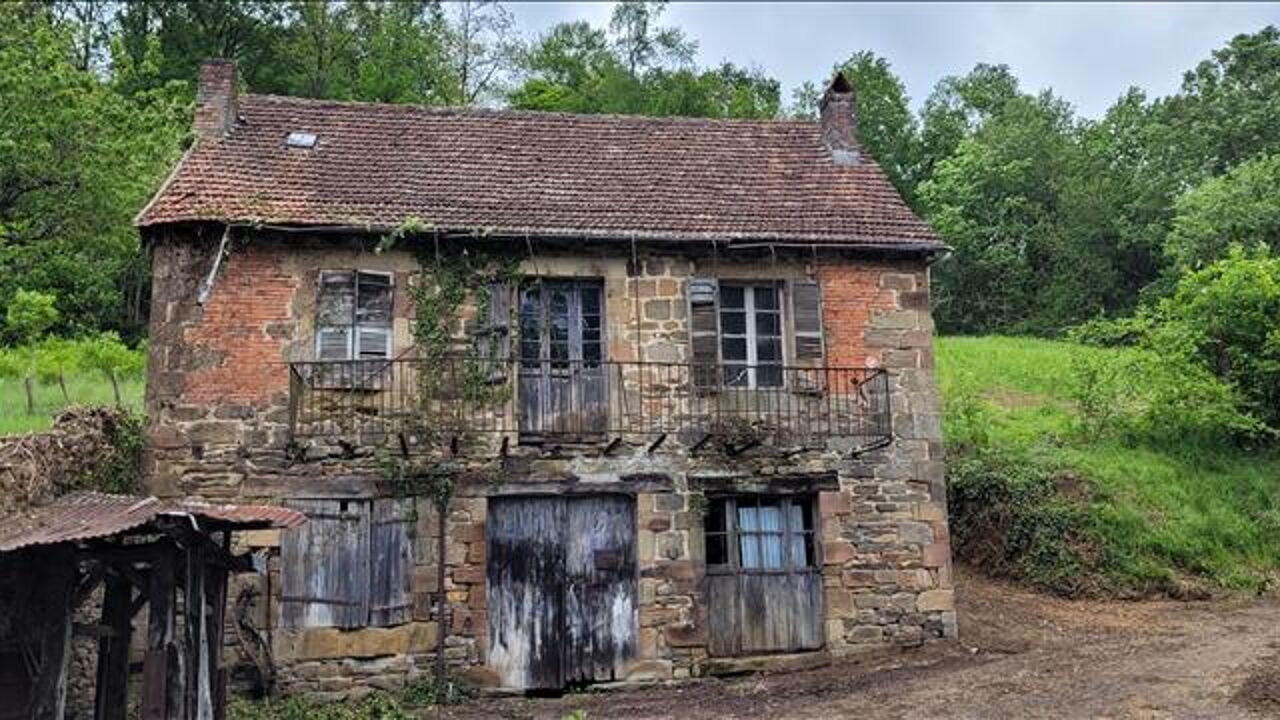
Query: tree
x=483 y=46
x=1223 y=318
x=958 y=107
x=1242 y=206
x=995 y=201
x=77 y=158
x=641 y=44
x=30 y=315
x=577 y=68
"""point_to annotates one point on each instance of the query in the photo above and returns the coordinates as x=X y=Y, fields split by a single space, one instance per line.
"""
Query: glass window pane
x=736 y=375
x=733 y=323
x=768 y=324
x=733 y=348
x=771 y=552
x=590 y=300
x=766 y=298
x=768 y=376
x=749 y=552
x=732 y=297
x=769 y=350
x=801 y=551
x=770 y=515
x=373 y=297
x=748 y=517
x=802 y=514
x=717 y=549
x=714 y=521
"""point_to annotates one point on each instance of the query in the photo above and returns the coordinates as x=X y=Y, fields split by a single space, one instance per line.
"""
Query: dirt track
x=1020 y=655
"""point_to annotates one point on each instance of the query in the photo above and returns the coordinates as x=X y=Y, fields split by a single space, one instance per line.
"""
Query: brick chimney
x=839 y=114
x=216 y=106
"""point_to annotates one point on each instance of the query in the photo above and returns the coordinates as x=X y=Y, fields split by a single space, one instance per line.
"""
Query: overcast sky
x=1089 y=53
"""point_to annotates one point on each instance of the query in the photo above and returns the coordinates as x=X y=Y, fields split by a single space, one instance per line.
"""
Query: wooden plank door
x=561 y=589
x=525 y=574
x=562 y=378
x=600 y=599
x=764 y=583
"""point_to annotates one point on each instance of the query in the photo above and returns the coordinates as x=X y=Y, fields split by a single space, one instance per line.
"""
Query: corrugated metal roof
x=84 y=516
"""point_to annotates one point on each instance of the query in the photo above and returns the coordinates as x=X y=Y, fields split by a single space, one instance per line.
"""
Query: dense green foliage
x=1054 y=219
x=1038 y=495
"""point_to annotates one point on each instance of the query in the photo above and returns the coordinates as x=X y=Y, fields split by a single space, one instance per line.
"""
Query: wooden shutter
x=806 y=336
x=493 y=337
x=806 y=321
x=391 y=561
x=325 y=565
x=704 y=331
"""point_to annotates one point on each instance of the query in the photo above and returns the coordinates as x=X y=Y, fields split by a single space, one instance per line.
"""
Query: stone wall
x=218 y=402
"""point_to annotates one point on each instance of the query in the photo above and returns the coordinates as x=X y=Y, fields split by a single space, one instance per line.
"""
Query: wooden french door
x=562 y=374
x=561 y=590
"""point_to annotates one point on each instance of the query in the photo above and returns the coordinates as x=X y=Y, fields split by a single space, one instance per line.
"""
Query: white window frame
x=355 y=326
x=749 y=309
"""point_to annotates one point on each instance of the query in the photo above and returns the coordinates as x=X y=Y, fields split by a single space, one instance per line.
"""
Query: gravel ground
x=1019 y=655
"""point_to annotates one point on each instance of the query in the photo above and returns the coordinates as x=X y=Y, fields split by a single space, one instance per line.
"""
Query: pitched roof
x=84 y=516
x=539 y=174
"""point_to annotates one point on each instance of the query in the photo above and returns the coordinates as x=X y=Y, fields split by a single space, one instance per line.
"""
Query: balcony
x=417 y=405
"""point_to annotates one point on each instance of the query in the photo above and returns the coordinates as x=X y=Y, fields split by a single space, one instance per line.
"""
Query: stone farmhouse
x=670 y=380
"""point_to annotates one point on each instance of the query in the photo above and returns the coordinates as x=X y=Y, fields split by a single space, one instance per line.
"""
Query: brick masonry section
x=217 y=400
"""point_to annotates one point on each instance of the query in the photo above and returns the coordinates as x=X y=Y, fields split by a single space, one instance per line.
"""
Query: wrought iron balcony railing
x=417 y=402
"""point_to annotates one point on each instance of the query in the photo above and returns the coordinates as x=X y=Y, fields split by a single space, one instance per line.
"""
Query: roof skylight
x=301 y=139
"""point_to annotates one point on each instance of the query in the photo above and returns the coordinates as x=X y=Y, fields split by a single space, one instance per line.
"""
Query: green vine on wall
x=459 y=370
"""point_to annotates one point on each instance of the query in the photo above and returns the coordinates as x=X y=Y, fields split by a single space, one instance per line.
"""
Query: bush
x=1226 y=320
x=1161 y=399
x=1009 y=518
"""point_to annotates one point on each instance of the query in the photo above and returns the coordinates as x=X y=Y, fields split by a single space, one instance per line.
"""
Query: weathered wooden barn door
x=561 y=589
x=600 y=592
x=562 y=378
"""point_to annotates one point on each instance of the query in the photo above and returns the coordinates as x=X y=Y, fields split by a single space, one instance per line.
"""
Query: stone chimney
x=216 y=106
x=839 y=113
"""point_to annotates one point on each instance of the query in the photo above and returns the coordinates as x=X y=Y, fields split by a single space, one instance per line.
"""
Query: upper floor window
x=762 y=334
x=751 y=335
x=353 y=315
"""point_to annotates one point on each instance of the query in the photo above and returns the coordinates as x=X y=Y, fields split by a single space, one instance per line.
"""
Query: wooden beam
x=216 y=595
x=160 y=666
x=199 y=695
x=56 y=578
x=111 y=700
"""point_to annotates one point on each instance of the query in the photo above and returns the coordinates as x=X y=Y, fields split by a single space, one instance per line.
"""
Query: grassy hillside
x=83 y=388
x=1036 y=499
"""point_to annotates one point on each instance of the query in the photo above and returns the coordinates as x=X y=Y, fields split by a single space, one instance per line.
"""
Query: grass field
x=1162 y=517
x=82 y=389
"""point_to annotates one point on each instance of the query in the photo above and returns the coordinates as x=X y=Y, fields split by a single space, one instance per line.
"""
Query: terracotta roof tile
x=542 y=174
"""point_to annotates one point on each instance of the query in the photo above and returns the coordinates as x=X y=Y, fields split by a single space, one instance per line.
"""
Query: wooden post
x=62 y=383
x=57 y=582
x=31 y=396
x=115 y=386
x=112 y=694
x=195 y=657
x=216 y=594
x=161 y=660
